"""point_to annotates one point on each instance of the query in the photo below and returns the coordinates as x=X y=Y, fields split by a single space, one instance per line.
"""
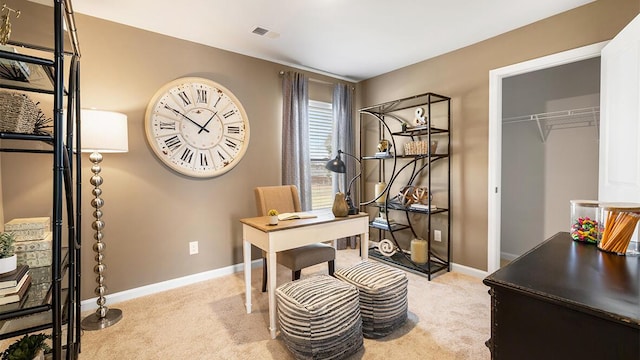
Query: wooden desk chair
x=285 y=198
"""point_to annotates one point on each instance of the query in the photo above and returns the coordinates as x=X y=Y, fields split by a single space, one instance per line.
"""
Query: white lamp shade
x=104 y=131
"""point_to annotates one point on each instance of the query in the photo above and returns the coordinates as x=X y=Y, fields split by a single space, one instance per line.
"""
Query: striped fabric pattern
x=319 y=318
x=383 y=296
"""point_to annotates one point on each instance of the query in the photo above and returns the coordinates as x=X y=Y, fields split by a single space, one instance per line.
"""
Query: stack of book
x=13 y=288
x=383 y=154
x=382 y=223
x=423 y=207
x=33 y=248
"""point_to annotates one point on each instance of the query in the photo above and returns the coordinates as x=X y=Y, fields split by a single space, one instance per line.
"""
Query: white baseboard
x=507 y=256
x=90 y=304
x=480 y=274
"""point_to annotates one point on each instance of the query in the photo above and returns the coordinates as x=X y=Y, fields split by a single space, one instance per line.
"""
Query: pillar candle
x=379 y=189
x=419 y=251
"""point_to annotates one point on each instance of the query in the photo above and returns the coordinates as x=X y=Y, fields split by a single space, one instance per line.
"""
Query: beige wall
x=464 y=76
x=152 y=213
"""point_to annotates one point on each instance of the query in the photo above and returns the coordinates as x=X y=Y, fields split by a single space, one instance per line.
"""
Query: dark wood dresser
x=566 y=300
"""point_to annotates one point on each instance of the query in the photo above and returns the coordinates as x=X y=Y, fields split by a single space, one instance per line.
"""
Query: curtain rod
x=281 y=73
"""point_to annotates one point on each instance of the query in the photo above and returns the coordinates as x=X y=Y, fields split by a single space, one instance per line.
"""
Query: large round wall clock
x=197 y=127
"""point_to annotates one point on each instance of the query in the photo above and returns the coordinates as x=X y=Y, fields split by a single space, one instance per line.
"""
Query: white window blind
x=320 y=137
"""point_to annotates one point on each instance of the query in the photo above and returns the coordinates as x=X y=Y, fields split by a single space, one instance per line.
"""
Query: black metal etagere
x=398 y=170
x=60 y=310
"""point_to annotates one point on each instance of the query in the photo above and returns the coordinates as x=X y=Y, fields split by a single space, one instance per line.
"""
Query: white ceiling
x=348 y=39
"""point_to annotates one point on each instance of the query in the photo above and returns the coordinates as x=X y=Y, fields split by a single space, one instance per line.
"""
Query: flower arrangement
x=272 y=212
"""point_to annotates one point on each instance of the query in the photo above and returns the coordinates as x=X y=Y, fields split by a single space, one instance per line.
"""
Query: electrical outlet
x=193 y=247
x=437 y=235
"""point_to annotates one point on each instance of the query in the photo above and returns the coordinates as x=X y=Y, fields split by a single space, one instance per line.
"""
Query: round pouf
x=383 y=296
x=319 y=318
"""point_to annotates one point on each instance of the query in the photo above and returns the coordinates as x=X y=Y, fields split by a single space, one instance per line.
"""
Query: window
x=320 y=140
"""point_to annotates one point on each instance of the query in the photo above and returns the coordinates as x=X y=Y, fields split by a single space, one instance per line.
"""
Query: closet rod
x=574 y=113
x=560 y=120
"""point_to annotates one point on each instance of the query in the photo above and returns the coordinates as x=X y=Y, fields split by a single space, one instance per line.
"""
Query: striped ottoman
x=383 y=296
x=319 y=318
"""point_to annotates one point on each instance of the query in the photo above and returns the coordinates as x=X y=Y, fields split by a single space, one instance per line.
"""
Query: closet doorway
x=543 y=118
x=549 y=151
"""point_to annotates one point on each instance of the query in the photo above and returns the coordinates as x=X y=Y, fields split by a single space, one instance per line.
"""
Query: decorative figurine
x=421 y=119
x=5 y=25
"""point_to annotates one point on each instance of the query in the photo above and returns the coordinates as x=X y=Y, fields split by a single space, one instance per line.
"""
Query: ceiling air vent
x=265 y=32
x=260 y=31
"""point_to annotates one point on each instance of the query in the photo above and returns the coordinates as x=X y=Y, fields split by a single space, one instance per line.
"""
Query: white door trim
x=495 y=133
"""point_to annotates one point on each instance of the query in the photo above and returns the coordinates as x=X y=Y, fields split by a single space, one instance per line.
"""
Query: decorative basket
x=420 y=147
x=18 y=113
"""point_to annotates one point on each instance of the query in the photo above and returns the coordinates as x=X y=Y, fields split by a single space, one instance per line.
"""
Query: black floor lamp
x=337 y=165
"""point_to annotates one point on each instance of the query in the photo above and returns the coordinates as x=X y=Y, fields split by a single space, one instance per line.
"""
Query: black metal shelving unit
x=59 y=310
x=395 y=124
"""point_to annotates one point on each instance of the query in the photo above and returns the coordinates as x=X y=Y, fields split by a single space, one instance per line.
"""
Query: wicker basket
x=18 y=113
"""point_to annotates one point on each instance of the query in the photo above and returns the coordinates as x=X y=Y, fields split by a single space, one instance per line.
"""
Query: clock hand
x=186 y=117
x=207 y=123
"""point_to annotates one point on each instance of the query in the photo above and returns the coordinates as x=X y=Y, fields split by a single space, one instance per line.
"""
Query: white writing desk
x=289 y=234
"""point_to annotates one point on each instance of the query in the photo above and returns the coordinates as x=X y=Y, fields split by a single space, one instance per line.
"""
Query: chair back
x=283 y=198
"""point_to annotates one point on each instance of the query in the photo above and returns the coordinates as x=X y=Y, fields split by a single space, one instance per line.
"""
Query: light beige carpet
x=449 y=318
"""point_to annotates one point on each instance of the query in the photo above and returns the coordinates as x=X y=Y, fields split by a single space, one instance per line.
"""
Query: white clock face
x=197 y=127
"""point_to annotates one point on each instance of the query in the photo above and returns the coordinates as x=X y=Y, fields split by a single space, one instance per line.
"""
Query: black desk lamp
x=337 y=165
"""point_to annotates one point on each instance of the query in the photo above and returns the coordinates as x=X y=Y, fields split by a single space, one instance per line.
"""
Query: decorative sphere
x=100 y=290
x=99 y=257
x=102 y=312
x=101 y=301
x=99 y=246
x=97 y=214
x=96 y=169
x=96 y=180
x=95 y=157
x=97 y=203
x=99 y=268
x=98 y=236
x=96 y=192
x=97 y=225
x=100 y=279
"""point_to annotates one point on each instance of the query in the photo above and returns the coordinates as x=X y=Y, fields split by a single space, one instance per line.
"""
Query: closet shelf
x=555 y=120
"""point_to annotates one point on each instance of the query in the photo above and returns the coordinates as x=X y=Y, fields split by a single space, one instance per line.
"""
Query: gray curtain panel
x=343 y=139
x=343 y=136
x=296 y=168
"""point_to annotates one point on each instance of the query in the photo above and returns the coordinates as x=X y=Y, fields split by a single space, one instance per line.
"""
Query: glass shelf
x=40 y=73
x=34 y=322
x=38 y=297
x=402 y=260
x=406 y=103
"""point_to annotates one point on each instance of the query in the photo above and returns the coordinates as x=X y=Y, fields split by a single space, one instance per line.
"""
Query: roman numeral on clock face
x=230 y=143
x=202 y=96
x=172 y=109
x=204 y=159
x=167 y=125
x=233 y=129
x=187 y=154
x=217 y=101
x=185 y=98
x=173 y=143
x=228 y=114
